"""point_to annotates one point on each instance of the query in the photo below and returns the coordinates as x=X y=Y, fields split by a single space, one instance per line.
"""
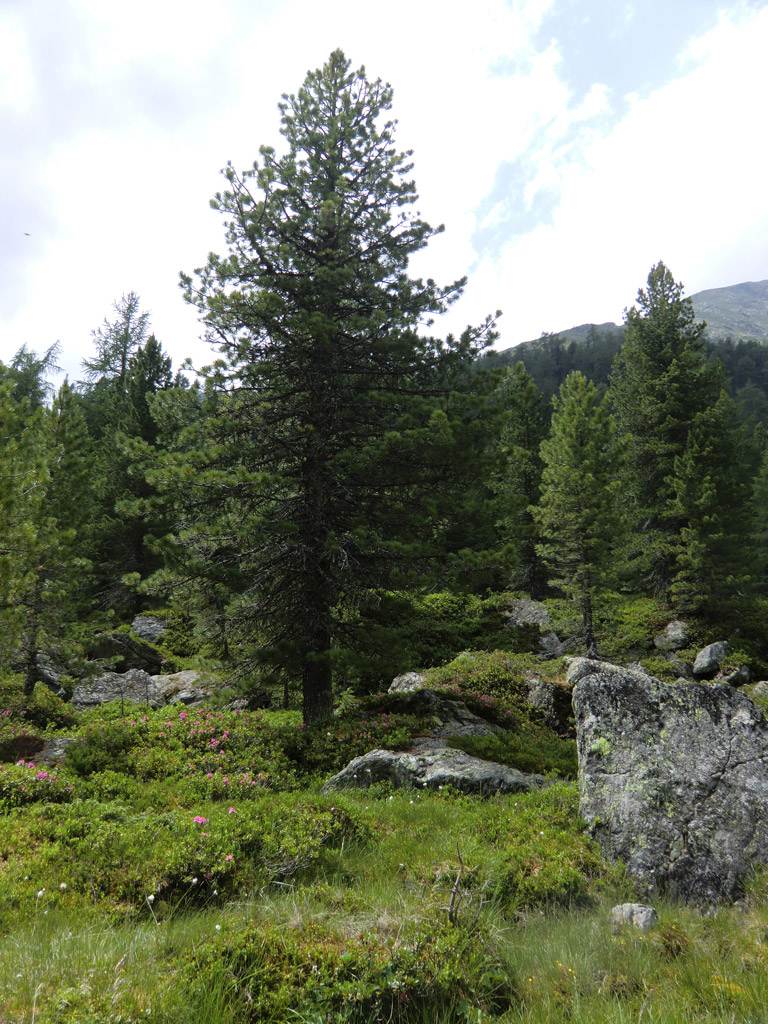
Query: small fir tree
x=576 y=515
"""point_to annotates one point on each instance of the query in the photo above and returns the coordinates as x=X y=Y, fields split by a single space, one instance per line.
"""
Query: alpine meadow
x=374 y=674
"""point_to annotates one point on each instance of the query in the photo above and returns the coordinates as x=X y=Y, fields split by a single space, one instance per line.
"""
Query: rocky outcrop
x=149 y=627
x=551 y=646
x=407 y=683
x=139 y=687
x=444 y=716
x=674 y=637
x=709 y=660
x=433 y=769
x=125 y=651
x=740 y=676
x=673 y=780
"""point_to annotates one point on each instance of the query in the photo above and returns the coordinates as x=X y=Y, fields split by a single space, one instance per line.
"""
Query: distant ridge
x=738 y=311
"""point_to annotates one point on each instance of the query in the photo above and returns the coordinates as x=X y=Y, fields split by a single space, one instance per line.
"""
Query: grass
x=65 y=963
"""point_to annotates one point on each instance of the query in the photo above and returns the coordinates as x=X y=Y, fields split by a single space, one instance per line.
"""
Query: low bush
x=27 y=783
x=547 y=859
x=430 y=972
x=166 y=859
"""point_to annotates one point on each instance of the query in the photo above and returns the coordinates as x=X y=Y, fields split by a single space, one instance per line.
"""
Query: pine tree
x=117 y=340
x=576 y=515
x=518 y=479
x=662 y=379
x=712 y=484
x=759 y=517
x=320 y=328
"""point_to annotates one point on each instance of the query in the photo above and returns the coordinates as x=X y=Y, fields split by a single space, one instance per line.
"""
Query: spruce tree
x=519 y=476
x=330 y=376
x=576 y=515
x=662 y=380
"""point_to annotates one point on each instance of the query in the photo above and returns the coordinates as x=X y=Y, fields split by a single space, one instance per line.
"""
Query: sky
x=566 y=145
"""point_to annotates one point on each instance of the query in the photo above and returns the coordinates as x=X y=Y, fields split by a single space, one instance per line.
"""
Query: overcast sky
x=565 y=144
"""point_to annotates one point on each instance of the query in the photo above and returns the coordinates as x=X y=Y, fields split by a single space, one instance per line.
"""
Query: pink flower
x=200 y=820
x=231 y=810
x=183 y=716
x=209 y=775
x=41 y=776
x=230 y=857
x=214 y=742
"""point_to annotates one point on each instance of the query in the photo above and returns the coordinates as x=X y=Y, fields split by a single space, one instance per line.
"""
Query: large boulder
x=148 y=627
x=525 y=612
x=673 y=780
x=674 y=637
x=139 y=687
x=709 y=660
x=444 y=716
x=433 y=769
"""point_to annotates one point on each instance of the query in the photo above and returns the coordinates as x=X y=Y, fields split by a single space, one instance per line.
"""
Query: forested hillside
x=301 y=653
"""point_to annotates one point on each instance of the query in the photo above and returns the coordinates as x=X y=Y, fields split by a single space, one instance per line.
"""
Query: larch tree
x=322 y=333
x=576 y=515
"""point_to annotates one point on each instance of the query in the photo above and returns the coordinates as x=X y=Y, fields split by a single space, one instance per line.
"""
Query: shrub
x=26 y=783
x=177 y=856
x=547 y=859
x=42 y=710
x=432 y=972
x=100 y=748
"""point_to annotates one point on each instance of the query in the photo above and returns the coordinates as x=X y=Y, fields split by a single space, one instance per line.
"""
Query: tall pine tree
x=320 y=326
x=662 y=380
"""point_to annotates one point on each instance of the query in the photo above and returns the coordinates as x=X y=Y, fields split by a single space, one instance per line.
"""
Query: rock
x=446 y=715
x=253 y=702
x=552 y=704
x=54 y=750
x=673 y=781
x=635 y=914
x=431 y=769
x=683 y=668
x=739 y=677
x=675 y=636
x=49 y=673
x=148 y=627
x=126 y=652
x=551 y=646
x=525 y=612
x=581 y=668
x=635 y=666
x=139 y=687
x=709 y=659
x=760 y=689
x=407 y=683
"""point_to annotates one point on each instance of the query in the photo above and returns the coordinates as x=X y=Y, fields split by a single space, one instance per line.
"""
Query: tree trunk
x=31 y=633
x=587 y=623
x=316 y=681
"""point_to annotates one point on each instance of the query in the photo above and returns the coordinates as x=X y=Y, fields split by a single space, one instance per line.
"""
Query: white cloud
x=159 y=95
x=680 y=177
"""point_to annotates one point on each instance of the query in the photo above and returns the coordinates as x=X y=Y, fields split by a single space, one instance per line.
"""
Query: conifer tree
x=662 y=380
x=519 y=476
x=712 y=482
x=320 y=327
x=576 y=515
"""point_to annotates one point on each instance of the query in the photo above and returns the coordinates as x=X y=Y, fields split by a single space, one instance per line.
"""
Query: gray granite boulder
x=636 y=915
x=673 y=780
x=149 y=627
x=551 y=646
x=674 y=637
x=444 y=716
x=709 y=660
x=407 y=683
x=525 y=612
x=433 y=769
x=139 y=687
